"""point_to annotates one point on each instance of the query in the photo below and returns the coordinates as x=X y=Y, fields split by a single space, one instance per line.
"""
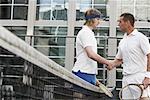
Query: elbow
x=91 y=56
x=90 y=53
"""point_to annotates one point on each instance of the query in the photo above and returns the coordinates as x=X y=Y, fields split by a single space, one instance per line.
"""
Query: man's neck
x=130 y=30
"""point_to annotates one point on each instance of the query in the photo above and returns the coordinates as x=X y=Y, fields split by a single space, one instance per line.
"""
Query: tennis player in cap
x=86 y=49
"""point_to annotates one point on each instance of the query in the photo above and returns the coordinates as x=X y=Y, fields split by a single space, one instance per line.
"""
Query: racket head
x=104 y=89
x=135 y=91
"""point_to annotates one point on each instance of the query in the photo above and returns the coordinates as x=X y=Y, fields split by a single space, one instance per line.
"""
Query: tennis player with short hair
x=134 y=55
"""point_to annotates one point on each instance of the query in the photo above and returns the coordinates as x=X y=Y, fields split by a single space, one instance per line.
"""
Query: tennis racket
x=136 y=89
x=104 y=89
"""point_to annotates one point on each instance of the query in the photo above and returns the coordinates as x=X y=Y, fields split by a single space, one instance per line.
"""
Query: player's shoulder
x=141 y=35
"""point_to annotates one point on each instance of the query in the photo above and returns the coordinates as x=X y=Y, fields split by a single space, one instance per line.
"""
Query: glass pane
x=5 y=12
x=47 y=13
x=139 y=8
x=51 y=51
x=100 y=1
x=5 y=1
x=57 y=51
x=81 y=7
x=44 y=1
x=57 y=54
x=100 y=74
x=59 y=1
x=43 y=13
x=51 y=10
x=77 y=29
x=59 y=14
x=118 y=84
x=101 y=52
x=119 y=33
x=100 y=34
x=127 y=2
x=48 y=40
x=18 y=31
x=101 y=31
x=119 y=75
x=50 y=30
x=20 y=12
x=21 y=1
x=51 y=42
x=51 y=1
x=145 y=31
x=60 y=61
x=101 y=6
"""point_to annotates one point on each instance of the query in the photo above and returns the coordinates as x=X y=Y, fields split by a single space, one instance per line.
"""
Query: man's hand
x=110 y=65
x=114 y=63
x=146 y=82
x=97 y=82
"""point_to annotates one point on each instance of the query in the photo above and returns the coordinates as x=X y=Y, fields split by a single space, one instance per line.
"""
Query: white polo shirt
x=83 y=63
x=132 y=50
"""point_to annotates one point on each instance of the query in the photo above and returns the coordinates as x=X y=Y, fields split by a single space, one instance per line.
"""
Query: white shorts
x=136 y=79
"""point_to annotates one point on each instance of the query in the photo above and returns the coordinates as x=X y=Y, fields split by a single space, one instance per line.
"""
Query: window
x=51 y=41
x=19 y=31
x=5 y=12
x=52 y=9
x=14 y=9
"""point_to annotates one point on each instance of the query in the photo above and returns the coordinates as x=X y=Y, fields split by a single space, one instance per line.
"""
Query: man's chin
x=122 y=30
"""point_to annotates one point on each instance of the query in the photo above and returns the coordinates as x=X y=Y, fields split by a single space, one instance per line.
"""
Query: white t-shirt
x=83 y=63
x=132 y=50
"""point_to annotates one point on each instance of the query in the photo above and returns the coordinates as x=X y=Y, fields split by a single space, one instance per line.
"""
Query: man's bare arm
x=146 y=81
x=148 y=62
x=117 y=62
x=91 y=54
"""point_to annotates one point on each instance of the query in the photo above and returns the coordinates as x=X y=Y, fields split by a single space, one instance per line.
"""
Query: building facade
x=51 y=26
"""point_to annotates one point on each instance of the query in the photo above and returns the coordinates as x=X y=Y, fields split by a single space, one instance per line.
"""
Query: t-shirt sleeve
x=147 y=74
x=86 y=39
x=145 y=46
x=119 y=54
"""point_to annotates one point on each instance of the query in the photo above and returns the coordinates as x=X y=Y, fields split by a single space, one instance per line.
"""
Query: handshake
x=113 y=63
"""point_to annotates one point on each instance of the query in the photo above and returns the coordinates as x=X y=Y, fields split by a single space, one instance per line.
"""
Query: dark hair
x=90 y=14
x=128 y=17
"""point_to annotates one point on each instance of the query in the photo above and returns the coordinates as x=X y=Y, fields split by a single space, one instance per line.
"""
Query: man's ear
x=128 y=22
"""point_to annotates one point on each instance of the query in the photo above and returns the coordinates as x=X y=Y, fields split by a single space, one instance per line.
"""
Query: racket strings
x=131 y=91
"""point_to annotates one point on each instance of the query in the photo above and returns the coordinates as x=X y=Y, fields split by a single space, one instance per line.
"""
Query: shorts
x=136 y=79
x=91 y=78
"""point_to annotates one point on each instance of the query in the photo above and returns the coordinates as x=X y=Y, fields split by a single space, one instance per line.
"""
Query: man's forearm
x=148 y=66
x=117 y=62
x=148 y=62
